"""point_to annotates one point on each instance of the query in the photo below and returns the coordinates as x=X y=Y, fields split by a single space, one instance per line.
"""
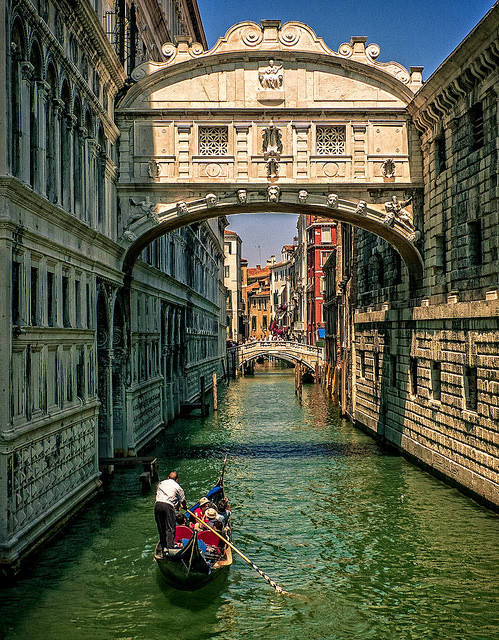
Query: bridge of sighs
x=270 y=120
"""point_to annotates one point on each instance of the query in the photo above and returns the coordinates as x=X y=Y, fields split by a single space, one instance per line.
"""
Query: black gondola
x=197 y=556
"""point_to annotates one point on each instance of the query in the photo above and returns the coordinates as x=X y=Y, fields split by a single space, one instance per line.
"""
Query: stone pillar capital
x=27 y=70
x=43 y=90
x=58 y=105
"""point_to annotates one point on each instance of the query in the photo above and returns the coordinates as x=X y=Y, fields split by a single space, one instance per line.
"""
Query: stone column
x=89 y=173
x=80 y=139
x=57 y=132
x=25 y=118
x=302 y=154
x=68 y=194
x=94 y=183
x=43 y=89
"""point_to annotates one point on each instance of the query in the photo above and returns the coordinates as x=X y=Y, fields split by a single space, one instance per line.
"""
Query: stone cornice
x=94 y=31
x=15 y=192
x=197 y=24
x=472 y=62
x=109 y=66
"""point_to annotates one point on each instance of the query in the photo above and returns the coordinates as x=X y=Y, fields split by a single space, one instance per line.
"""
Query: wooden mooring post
x=298 y=381
x=215 y=392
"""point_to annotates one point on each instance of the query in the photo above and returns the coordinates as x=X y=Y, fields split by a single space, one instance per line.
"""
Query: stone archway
x=270 y=120
x=397 y=229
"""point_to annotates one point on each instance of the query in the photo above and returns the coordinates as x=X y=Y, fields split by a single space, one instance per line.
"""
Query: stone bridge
x=293 y=352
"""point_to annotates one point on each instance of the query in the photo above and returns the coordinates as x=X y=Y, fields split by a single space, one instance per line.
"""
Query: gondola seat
x=182 y=533
x=209 y=538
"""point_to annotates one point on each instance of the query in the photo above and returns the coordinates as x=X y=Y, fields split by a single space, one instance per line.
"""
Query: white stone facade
x=233 y=284
x=98 y=364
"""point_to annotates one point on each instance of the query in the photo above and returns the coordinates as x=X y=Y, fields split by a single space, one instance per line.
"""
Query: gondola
x=197 y=557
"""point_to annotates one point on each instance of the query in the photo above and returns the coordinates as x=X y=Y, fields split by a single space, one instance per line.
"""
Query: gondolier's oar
x=273 y=584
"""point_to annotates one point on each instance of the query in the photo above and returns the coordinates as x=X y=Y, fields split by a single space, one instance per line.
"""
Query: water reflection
x=370 y=546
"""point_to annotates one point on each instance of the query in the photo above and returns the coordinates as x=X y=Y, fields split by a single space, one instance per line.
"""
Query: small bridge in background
x=293 y=352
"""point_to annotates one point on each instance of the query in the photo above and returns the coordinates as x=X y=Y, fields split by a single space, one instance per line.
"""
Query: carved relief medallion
x=330 y=169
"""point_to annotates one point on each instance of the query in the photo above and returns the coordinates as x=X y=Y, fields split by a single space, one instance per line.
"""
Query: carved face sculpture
x=361 y=207
x=332 y=200
x=242 y=195
x=182 y=208
x=302 y=196
x=211 y=200
x=273 y=193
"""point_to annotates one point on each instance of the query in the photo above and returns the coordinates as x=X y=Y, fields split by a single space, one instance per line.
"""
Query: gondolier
x=169 y=497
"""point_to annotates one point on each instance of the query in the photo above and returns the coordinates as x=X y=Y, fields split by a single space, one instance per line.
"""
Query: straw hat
x=203 y=501
x=211 y=513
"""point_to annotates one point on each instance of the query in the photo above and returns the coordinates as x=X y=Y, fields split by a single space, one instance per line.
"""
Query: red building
x=320 y=242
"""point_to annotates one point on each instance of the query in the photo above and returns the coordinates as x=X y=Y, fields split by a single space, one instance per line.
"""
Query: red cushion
x=182 y=532
x=209 y=538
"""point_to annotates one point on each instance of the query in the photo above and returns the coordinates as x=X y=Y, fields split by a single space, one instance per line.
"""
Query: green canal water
x=370 y=546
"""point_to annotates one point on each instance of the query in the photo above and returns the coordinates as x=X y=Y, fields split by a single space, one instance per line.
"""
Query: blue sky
x=411 y=32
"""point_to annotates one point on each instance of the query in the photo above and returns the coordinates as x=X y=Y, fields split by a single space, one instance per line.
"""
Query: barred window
x=213 y=141
x=330 y=141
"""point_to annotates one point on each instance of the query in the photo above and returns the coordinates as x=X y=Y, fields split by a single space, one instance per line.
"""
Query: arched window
x=17 y=55
x=65 y=145
x=78 y=142
x=34 y=135
x=50 y=122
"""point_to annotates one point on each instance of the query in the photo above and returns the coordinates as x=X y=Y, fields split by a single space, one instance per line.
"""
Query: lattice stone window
x=213 y=141
x=330 y=141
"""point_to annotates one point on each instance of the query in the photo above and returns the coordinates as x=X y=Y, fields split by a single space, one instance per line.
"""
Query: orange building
x=257 y=296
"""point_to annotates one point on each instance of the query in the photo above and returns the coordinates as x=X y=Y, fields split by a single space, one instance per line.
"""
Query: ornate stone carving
x=272 y=77
x=182 y=208
x=211 y=200
x=273 y=193
x=252 y=36
x=128 y=235
x=388 y=168
x=332 y=200
x=272 y=148
x=272 y=139
x=289 y=36
x=242 y=196
x=144 y=208
x=394 y=210
x=272 y=165
x=331 y=169
x=153 y=169
x=302 y=196
x=361 y=209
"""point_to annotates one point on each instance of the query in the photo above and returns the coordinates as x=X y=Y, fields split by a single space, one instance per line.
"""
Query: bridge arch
x=280 y=356
x=401 y=234
x=272 y=97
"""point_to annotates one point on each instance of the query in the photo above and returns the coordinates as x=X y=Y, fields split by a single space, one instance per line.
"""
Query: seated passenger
x=224 y=510
x=204 y=503
x=180 y=519
x=210 y=517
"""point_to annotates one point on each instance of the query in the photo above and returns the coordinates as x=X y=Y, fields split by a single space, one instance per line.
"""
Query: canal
x=370 y=546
